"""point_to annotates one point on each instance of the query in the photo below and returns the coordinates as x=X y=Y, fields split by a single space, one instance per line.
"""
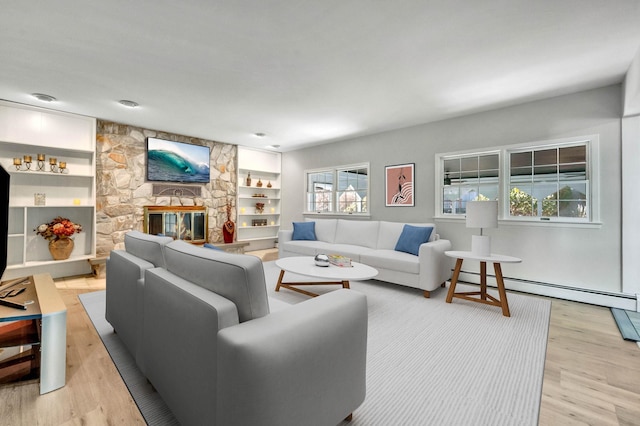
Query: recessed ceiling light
x=44 y=98
x=260 y=135
x=130 y=104
x=273 y=146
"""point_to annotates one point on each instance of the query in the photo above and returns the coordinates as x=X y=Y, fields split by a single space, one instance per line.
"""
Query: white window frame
x=592 y=143
x=334 y=170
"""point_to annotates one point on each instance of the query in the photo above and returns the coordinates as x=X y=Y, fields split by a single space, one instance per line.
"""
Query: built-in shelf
x=264 y=167
x=29 y=131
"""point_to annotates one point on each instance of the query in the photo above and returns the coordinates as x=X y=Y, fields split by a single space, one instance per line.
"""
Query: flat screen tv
x=169 y=161
x=4 y=218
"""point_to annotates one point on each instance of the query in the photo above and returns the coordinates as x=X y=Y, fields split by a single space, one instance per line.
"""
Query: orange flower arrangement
x=58 y=228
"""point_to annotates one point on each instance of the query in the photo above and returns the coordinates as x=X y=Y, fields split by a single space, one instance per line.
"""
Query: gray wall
x=575 y=256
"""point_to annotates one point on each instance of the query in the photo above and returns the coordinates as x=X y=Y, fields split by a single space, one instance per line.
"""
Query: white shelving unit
x=263 y=166
x=27 y=130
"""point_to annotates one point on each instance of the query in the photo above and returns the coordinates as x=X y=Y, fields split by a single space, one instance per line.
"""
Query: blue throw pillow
x=211 y=246
x=304 y=231
x=412 y=237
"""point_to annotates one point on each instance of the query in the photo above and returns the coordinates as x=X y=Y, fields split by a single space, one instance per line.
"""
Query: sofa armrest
x=284 y=235
x=302 y=363
x=435 y=267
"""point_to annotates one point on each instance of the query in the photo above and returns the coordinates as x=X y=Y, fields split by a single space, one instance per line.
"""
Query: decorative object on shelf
x=259 y=222
x=399 y=185
x=228 y=228
x=321 y=260
x=53 y=162
x=18 y=163
x=259 y=184
x=58 y=232
x=40 y=158
x=259 y=196
x=249 y=179
x=63 y=167
x=269 y=184
x=242 y=210
x=27 y=161
x=39 y=199
x=260 y=208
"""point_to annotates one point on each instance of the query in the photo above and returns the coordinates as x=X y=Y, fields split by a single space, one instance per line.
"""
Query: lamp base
x=481 y=245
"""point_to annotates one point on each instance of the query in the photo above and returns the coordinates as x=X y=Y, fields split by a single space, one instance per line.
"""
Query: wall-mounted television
x=169 y=161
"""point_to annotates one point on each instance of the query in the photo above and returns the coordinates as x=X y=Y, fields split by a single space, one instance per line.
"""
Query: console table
x=43 y=324
x=482 y=296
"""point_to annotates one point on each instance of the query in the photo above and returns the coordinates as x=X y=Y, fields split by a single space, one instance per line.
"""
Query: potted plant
x=58 y=232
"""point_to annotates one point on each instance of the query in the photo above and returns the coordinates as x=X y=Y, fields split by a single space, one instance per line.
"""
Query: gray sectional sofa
x=374 y=243
x=221 y=352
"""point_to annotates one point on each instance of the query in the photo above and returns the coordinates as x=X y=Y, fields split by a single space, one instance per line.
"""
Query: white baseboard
x=613 y=300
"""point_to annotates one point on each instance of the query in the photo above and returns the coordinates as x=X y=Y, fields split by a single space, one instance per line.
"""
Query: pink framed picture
x=399 y=185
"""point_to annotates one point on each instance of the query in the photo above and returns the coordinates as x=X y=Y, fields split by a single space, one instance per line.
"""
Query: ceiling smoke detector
x=44 y=98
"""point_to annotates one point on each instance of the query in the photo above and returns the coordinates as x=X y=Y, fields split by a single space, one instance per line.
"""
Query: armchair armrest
x=304 y=363
x=284 y=235
x=435 y=267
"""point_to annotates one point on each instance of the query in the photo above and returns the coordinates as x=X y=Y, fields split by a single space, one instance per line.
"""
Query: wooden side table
x=481 y=296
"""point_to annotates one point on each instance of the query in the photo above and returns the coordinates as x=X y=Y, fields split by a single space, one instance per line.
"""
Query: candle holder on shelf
x=18 y=163
x=27 y=161
x=63 y=167
x=53 y=162
x=40 y=158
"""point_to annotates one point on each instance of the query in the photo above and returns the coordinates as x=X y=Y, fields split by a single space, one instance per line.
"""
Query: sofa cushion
x=146 y=246
x=389 y=233
x=412 y=237
x=304 y=231
x=325 y=229
x=391 y=260
x=307 y=248
x=357 y=232
x=237 y=277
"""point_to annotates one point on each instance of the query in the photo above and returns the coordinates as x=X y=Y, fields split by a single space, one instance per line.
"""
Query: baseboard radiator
x=558 y=291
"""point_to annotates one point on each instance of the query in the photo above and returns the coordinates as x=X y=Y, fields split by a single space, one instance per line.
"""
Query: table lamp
x=482 y=214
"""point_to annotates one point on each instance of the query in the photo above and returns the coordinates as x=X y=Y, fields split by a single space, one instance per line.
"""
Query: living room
x=582 y=262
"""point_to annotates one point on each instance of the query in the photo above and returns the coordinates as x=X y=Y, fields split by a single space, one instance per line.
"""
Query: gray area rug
x=628 y=323
x=429 y=362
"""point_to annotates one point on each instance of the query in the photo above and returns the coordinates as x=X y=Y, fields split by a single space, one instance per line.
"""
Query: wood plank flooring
x=591 y=377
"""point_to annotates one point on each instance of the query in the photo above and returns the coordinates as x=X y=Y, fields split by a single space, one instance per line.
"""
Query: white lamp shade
x=482 y=214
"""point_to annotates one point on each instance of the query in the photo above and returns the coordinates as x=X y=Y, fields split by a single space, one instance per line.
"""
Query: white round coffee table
x=305 y=265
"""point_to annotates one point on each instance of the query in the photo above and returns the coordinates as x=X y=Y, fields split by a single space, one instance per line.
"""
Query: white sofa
x=373 y=243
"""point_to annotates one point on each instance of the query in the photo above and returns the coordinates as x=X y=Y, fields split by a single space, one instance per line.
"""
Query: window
x=549 y=182
x=338 y=190
x=552 y=181
x=468 y=178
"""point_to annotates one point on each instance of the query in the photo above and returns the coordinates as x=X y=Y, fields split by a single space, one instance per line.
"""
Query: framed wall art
x=399 y=185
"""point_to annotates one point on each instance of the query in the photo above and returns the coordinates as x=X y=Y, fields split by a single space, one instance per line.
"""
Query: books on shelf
x=339 y=260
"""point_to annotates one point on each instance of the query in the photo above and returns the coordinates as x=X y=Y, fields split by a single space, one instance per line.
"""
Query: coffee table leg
x=454 y=280
x=280 y=280
x=345 y=284
x=501 y=290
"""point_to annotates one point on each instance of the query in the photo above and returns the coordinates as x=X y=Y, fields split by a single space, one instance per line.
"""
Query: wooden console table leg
x=345 y=284
x=454 y=280
x=501 y=290
x=483 y=280
x=280 y=280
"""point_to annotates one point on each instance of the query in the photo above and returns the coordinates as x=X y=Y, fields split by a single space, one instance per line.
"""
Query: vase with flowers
x=58 y=232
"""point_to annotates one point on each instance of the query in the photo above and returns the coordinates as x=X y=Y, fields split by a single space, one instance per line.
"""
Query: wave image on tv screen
x=169 y=161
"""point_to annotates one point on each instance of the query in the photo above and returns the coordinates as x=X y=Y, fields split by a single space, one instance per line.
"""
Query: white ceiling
x=307 y=71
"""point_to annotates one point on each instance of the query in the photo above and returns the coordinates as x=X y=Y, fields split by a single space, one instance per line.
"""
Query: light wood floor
x=591 y=377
